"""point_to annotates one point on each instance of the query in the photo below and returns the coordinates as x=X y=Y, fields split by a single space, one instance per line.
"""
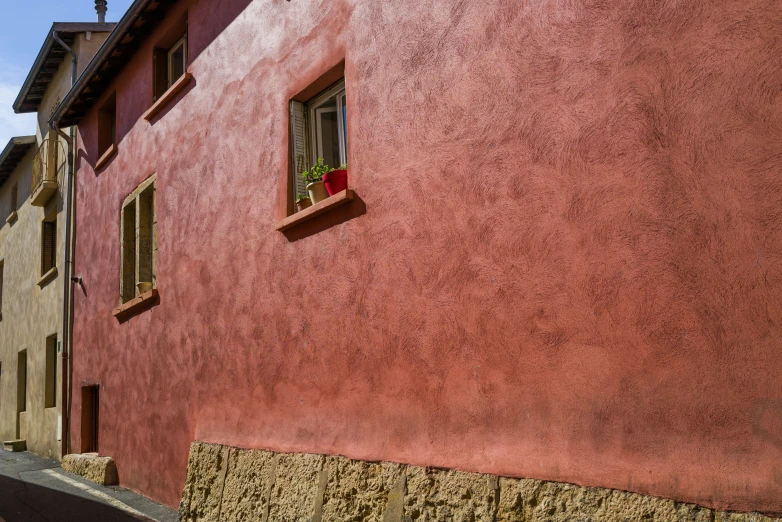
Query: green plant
x=318 y=170
x=316 y=173
x=301 y=197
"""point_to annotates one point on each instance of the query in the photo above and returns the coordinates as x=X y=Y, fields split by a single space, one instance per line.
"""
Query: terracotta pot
x=144 y=287
x=303 y=203
x=336 y=181
x=317 y=192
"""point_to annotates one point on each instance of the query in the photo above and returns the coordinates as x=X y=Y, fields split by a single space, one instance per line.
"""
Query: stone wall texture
x=227 y=484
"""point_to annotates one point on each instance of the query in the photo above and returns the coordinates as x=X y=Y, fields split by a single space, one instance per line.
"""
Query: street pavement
x=37 y=490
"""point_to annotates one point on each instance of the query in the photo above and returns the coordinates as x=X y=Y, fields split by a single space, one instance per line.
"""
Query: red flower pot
x=336 y=181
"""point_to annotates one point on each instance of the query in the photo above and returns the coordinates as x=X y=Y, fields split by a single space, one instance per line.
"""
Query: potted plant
x=303 y=202
x=336 y=180
x=144 y=287
x=314 y=180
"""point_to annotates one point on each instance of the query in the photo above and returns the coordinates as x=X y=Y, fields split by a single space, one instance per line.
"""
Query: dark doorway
x=89 y=419
x=21 y=393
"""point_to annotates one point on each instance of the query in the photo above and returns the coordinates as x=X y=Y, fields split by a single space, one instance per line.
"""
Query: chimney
x=100 y=7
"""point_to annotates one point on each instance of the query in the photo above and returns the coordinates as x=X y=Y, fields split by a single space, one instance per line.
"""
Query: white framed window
x=177 y=61
x=319 y=129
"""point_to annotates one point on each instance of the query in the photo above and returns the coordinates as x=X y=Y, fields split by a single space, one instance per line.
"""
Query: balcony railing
x=47 y=164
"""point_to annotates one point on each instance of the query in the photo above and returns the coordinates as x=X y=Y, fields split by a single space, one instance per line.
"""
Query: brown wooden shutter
x=160 y=70
x=298 y=146
x=49 y=238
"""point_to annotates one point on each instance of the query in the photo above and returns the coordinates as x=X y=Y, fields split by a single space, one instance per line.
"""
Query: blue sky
x=23 y=28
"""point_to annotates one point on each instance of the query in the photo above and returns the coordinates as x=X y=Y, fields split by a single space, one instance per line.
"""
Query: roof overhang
x=138 y=22
x=13 y=154
x=49 y=59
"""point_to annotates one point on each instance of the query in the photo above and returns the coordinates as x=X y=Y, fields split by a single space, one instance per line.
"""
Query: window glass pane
x=177 y=62
x=328 y=138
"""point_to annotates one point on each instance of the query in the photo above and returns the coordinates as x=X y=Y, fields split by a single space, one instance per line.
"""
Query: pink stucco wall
x=569 y=266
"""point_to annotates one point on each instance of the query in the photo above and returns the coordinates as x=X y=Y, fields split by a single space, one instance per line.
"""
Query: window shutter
x=49 y=232
x=299 y=146
x=160 y=72
x=1 y=288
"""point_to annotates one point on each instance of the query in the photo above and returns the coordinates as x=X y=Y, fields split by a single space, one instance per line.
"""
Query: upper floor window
x=319 y=130
x=107 y=129
x=14 y=197
x=48 y=245
x=170 y=58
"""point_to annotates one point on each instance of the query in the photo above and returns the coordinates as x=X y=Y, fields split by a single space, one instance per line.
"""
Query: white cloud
x=13 y=124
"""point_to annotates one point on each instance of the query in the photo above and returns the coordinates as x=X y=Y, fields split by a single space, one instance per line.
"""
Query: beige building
x=35 y=173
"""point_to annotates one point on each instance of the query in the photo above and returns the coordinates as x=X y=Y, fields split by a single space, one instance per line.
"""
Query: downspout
x=67 y=307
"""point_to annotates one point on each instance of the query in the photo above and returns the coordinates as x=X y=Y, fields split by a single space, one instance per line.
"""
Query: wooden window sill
x=337 y=200
x=137 y=305
x=110 y=152
x=13 y=216
x=47 y=277
x=168 y=96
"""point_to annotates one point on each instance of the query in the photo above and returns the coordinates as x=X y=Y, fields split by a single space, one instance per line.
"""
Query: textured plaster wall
x=30 y=314
x=568 y=268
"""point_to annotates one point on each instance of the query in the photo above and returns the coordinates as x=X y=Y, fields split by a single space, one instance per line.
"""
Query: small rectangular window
x=139 y=242
x=169 y=58
x=50 y=391
x=49 y=245
x=107 y=125
x=177 y=61
x=319 y=130
x=14 y=198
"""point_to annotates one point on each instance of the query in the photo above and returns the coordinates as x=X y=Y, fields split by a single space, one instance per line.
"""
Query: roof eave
x=108 y=47
x=43 y=54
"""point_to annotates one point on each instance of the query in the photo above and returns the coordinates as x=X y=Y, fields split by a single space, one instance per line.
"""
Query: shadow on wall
x=354 y=209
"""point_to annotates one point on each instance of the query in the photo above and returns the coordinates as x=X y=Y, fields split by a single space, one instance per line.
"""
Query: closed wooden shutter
x=49 y=238
x=160 y=72
x=298 y=146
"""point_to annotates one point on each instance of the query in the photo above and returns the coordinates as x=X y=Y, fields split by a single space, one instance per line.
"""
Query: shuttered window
x=48 y=250
x=169 y=58
x=139 y=241
x=318 y=130
x=14 y=197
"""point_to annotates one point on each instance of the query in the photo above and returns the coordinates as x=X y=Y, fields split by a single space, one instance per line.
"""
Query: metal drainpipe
x=67 y=308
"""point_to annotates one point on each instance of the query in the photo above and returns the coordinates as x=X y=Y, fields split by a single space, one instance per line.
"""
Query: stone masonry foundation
x=231 y=484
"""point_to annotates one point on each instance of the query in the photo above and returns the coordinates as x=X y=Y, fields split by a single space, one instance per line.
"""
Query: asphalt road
x=36 y=489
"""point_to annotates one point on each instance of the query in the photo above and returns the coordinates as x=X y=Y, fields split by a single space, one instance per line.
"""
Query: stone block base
x=15 y=445
x=230 y=484
x=100 y=470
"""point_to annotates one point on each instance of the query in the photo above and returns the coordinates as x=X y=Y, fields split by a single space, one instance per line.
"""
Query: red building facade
x=562 y=259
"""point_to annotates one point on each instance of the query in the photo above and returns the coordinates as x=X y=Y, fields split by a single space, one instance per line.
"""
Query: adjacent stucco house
x=558 y=256
x=34 y=175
